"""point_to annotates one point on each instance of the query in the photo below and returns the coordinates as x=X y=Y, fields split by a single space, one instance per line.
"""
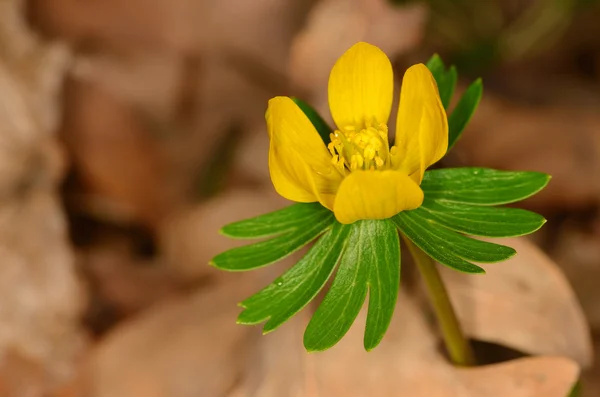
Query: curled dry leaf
x=407 y=362
x=525 y=303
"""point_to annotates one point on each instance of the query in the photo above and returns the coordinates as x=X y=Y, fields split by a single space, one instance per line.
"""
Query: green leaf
x=285 y=220
x=371 y=262
x=315 y=118
x=482 y=186
x=291 y=292
x=384 y=282
x=448 y=86
x=447 y=247
x=577 y=390
x=436 y=67
x=266 y=252
x=481 y=221
x=445 y=79
x=465 y=247
x=458 y=120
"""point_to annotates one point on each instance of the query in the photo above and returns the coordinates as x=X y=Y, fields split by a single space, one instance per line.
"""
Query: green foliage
x=286 y=220
x=289 y=293
x=322 y=127
x=446 y=81
x=458 y=200
x=482 y=186
x=479 y=220
x=464 y=110
x=305 y=229
x=577 y=390
x=447 y=247
x=371 y=263
x=369 y=257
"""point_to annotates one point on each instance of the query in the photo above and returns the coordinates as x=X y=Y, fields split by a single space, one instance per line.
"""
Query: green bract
x=365 y=255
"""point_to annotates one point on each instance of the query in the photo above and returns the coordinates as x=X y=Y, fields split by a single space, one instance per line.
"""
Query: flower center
x=353 y=148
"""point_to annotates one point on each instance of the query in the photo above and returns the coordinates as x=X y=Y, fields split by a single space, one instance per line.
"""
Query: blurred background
x=131 y=131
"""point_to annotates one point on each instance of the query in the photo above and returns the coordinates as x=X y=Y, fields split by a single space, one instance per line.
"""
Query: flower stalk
x=458 y=346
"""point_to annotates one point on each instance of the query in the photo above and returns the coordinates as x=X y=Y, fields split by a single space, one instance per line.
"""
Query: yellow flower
x=358 y=176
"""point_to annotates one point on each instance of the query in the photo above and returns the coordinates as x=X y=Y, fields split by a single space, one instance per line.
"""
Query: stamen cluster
x=366 y=148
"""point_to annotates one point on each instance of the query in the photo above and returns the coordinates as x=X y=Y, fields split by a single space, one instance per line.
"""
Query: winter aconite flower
x=359 y=175
x=358 y=192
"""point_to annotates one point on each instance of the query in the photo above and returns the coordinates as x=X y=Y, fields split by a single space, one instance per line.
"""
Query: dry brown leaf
x=122 y=166
x=40 y=339
x=407 y=362
x=125 y=282
x=253 y=161
x=150 y=81
x=191 y=346
x=563 y=142
x=525 y=303
x=578 y=253
x=186 y=347
x=184 y=26
x=144 y=158
x=335 y=25
x=190 y=237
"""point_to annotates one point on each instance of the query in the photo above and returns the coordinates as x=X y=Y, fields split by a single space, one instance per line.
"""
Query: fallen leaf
x=123 y=170
x=525 y=303
x=577 y=252
x=513 y=136
x=181 y=26
x=407 y=362
x=190 y=238
x=185 y=347
x=124 y=281
x=191 y=346
x=41 y=341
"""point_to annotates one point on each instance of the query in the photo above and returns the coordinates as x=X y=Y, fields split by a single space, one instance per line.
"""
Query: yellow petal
x=375 y=195
x=422 y=126
x=361 y=87
x=299 y=163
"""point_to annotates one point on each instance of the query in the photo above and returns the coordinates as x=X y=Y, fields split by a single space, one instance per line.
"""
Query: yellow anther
x=369 y=153
x=354 y=147
x=356 y=162
x=394 y=157
x=376 y=143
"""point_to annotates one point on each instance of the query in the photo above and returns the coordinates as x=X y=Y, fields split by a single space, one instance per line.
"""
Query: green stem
x=458 y=346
